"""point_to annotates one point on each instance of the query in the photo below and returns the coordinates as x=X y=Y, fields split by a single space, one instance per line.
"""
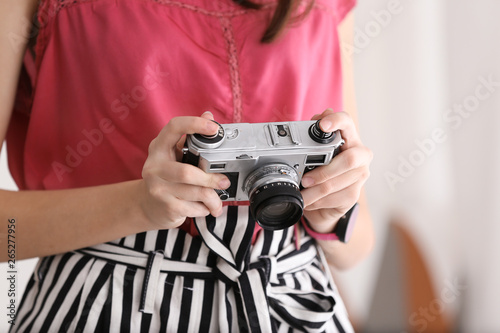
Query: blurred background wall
x=427 y=79
x=428 y=89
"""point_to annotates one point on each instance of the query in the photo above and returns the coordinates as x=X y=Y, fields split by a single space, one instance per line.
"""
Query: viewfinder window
x=218 y=166
x=315 y=159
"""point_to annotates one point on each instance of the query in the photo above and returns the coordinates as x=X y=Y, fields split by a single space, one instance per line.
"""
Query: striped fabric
x=168 y=281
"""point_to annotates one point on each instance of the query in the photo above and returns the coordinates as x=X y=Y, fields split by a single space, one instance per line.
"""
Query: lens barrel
x=277 y=205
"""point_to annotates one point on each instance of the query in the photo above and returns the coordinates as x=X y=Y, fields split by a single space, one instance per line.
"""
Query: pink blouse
x=107 y=75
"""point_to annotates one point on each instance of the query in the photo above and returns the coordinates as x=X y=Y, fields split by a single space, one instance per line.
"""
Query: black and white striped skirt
x=168 y=281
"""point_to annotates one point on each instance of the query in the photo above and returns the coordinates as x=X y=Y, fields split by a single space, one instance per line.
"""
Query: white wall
x=474 y=39
x=401 y=85
x=412 y=69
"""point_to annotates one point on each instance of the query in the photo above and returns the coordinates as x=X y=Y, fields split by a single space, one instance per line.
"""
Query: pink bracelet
x=316 y=235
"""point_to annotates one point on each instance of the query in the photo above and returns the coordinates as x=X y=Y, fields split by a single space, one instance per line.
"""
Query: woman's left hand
x=331 y=190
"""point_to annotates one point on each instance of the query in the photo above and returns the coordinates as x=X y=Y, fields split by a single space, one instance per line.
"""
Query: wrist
x=342 y=229
x=139 y=215
x=319 y=224
x=323 y=233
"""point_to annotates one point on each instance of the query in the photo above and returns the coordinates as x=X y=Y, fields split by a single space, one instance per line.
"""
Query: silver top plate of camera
x=243 y=148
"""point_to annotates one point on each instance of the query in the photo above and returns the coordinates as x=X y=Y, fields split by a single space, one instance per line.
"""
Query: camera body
x=265 y=163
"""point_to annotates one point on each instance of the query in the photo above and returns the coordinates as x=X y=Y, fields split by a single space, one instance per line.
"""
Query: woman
x=130 y=238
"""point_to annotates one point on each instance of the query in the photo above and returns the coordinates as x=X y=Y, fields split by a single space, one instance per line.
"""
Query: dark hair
x=281 y=17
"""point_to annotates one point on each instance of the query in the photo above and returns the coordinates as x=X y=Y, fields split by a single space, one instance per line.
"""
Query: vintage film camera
x=265 y=163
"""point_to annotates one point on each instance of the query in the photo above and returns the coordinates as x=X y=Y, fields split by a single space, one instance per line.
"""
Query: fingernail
x=307 y=181
x=208 y=112
x=213 y=127
x=326 y=125
x=224 y=183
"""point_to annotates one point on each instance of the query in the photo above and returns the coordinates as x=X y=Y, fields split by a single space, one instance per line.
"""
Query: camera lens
x=277 y=209
x=275 y=199
x=279 y=212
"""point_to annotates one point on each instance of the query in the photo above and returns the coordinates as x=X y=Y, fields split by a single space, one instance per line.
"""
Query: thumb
x=180 y=144
x=207 y=115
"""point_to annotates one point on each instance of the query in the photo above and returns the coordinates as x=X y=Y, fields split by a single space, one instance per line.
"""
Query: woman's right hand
x=171 y=190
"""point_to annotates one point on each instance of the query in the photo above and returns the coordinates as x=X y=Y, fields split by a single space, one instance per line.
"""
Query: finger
x=205 y=195
x=332 y=121
x=337 y=184
x=180 y=144
x=316 y=117
x=178 y=126
x=347 y=160
x=188 y=209
x=323 y=114
x=208 y=115
x=341 y=200
x=181 y=173
x=178 y=149
x=166 y=206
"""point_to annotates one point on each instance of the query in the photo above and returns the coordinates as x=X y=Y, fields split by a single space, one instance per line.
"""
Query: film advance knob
x=210 y=141
x=318 y=135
